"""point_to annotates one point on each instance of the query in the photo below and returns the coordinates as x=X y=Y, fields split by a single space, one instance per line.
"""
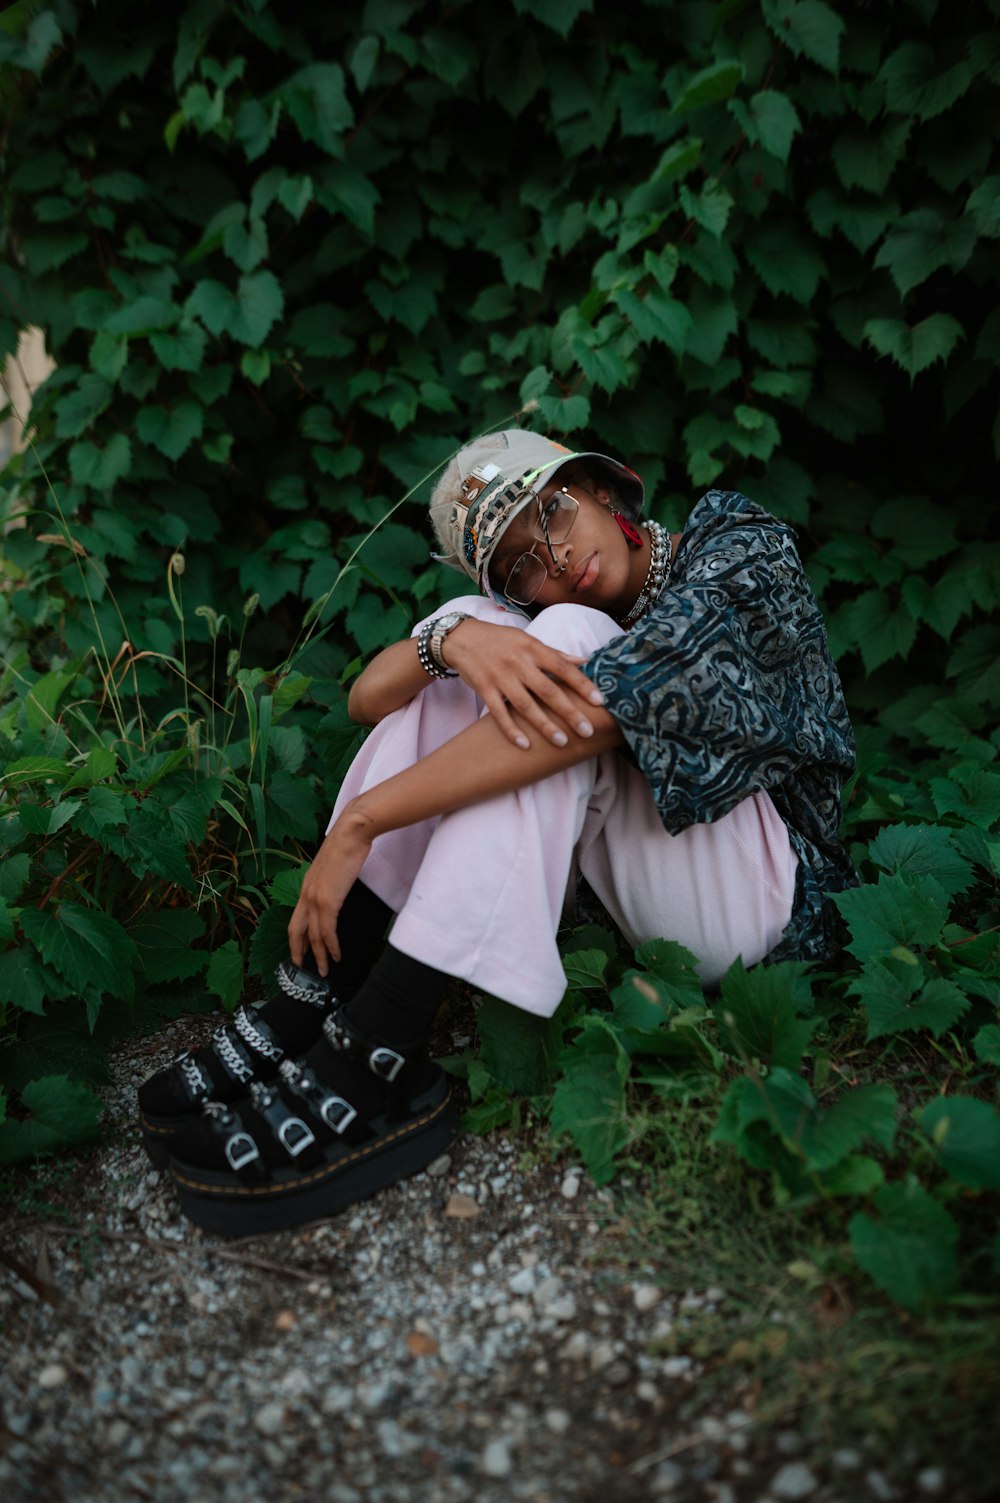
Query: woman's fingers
x=498 y=708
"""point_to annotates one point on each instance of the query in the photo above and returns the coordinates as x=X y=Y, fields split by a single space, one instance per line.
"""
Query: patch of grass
x=795 y=1341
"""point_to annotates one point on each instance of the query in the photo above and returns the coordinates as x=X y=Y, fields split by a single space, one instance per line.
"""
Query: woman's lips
x=586 y=574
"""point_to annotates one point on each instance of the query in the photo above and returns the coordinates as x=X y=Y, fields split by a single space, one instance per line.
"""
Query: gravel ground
x=470 y=1333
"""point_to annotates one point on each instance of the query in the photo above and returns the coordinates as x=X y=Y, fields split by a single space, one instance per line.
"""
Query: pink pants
x=479 y=893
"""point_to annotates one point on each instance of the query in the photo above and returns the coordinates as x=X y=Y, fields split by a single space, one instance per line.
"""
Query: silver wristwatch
x=440 y=628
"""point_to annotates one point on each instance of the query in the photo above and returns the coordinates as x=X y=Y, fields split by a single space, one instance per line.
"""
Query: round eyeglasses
x=553 y=524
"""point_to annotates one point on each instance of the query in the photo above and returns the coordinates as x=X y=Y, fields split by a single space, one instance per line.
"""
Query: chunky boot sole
x=219 y=1202
x=157 y=1133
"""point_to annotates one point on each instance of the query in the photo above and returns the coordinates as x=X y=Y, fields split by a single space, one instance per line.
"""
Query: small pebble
x=570 y=1187
x=931 y=1479
x=667 y=1478
x=645 y=1297
x=522 y=1282
x=880 y=1487
x=496 y=1459
x=52 y=1376
x=462 y=1207
x=270 y=1420
x=557 y=1420
x=577 y=1346
x=793 y=1481
x=440 y=1166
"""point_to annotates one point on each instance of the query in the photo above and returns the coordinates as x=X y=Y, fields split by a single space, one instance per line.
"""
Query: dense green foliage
x=284 y=268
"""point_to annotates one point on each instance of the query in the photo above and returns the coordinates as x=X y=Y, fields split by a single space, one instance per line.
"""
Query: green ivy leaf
x=89 y=948
x=896 y=911
x=911 y=1249
x=256 y=366
x=922 y=850
x=520 y=1050
x=63 y=1114
x=758 y=1014
x=25 y=982
x=710 y=208
x=295 y=195
x=287 y=885
x=896 y=1003
x=212 y=303
x=164 y=939
x=920 y=243
x=13 y=875
x=862 y=222
x=345 y=190
x=269 y=946
x=987 y=1044
x=259 y=304
x=717 y=81
x=808 y=28
x=867 y=159
x=770 y=118
x=966 y=1136
x=145 y=315
x=101 y=469
x=246 y=245
x=182 y=350
x=973 y=793
x=916 y=84
x=589 y=1099
x=319 y=330
x=316 y=100
x=983 y=206
x=362 y=62
x=602 y=367
x=172 y=430
x=108 y=354
x=77 y=411
x=784 y=261
x=225 y=974
x=585 y=969
x=879 y=629
x=559 y=15
x=854 y=1176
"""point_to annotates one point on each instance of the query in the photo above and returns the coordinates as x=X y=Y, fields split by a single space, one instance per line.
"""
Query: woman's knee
x=474 y=605
x=577 y=629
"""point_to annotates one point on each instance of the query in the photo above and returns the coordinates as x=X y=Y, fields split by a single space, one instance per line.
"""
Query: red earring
x=630 y=530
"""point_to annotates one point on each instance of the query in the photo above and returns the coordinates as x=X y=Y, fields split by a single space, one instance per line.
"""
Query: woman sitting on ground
x=657 y=713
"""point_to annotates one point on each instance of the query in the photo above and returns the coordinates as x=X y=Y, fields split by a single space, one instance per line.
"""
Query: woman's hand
x=511 y=671
x=324 y=888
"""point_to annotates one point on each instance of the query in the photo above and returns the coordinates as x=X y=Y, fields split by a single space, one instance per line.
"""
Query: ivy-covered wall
x=285 y=264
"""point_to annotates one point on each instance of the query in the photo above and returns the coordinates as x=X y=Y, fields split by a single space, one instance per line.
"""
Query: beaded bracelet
x=427 y=663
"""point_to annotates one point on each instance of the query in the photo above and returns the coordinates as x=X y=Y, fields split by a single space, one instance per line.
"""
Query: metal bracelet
x=427 y=663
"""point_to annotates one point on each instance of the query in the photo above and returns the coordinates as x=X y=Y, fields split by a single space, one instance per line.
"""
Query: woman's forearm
x=475 y=765
x=390 y=680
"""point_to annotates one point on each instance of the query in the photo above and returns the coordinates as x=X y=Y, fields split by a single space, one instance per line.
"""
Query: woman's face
x=593 y=565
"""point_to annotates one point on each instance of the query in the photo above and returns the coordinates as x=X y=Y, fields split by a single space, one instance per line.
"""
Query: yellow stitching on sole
x=276 y=1190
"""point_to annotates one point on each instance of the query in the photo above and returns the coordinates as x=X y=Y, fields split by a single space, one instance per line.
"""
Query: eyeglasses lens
x=554 y=525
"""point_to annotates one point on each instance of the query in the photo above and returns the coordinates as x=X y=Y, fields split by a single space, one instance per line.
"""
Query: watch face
x=448 y=620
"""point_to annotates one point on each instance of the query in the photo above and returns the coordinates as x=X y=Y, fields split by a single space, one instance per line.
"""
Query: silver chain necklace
x=661 y=557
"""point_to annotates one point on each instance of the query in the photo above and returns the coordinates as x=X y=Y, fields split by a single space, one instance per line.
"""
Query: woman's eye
x=550 y=509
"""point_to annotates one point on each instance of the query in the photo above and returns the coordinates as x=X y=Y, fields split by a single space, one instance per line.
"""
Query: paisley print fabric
x=727 y=688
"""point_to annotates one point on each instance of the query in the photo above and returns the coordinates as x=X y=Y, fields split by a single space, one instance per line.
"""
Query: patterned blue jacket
x=727 y=688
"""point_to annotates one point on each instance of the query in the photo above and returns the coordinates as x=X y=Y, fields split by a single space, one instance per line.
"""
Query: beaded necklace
x=661 y=557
